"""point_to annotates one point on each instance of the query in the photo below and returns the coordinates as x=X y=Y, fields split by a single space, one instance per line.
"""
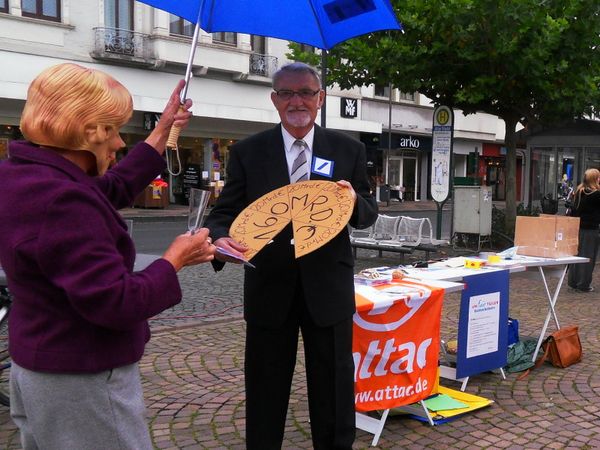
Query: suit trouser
x=97 y=411
x=269 y=368
x=580 y=275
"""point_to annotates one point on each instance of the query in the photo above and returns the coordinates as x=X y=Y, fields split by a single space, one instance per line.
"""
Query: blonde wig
x=64 y=100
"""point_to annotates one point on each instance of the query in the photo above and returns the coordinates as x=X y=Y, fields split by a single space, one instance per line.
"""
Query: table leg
x=551 y=303
x=372 y=425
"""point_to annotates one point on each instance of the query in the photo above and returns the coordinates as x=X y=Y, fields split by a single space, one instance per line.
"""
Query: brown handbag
x=562 y=348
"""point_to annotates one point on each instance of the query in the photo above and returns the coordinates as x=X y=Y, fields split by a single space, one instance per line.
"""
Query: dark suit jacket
x=257 y=165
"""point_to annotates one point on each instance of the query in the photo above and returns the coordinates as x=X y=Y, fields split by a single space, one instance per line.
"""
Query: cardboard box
x=547 y=236
x=152 y=197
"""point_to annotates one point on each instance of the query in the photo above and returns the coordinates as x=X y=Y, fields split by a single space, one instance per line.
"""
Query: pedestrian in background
x=586 y=206
x=78 y=324
x=283 y=295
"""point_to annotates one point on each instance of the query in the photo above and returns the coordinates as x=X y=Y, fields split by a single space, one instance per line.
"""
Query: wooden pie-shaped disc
x=318 y=211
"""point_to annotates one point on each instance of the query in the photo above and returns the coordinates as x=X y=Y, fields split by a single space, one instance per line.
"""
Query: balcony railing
x=263 y=65
x=115 y=43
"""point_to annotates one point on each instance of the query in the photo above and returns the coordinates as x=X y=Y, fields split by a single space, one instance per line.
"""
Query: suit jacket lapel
x=275 y=164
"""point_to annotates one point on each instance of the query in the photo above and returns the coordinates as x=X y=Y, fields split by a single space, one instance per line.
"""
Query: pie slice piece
x=255 y=229
x=304 y=195
x=308 y=237
x=275 y=203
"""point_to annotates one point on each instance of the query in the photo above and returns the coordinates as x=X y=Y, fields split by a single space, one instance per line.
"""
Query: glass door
x=395 y=177
x=409 y=178
x=119 y=14
x=402 y=177
x=118 y=22
x=567 y=170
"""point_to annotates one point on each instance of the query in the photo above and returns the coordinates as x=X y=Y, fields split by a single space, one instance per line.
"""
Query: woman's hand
x=174 y=113
x=190 y=249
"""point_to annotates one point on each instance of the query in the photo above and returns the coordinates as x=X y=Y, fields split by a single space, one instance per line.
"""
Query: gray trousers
x=580 y=275
x=79 y=411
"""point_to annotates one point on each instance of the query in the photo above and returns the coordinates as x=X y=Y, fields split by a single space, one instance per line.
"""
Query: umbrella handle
x=172 y=145
x=174 y=134
x=173 y=137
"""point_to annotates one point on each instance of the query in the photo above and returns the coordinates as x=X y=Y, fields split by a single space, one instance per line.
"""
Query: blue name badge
x=322 y=167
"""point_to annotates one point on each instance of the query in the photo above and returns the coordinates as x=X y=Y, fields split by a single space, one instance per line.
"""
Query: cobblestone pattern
x=193 y=379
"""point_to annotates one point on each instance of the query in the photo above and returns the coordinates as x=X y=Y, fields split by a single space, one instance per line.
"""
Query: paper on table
x=459 y=261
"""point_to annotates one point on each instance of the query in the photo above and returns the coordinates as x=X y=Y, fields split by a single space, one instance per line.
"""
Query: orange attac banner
x=396 y=344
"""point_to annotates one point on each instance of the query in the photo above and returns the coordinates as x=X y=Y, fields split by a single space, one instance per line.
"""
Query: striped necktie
x=299 y=170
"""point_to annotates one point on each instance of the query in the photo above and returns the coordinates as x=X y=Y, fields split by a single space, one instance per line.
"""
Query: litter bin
x=384 y=193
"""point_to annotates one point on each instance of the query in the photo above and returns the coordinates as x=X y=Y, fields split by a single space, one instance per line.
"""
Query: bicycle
x=5 y=362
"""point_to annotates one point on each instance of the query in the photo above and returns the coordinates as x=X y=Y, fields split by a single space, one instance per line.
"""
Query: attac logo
x=396 y=344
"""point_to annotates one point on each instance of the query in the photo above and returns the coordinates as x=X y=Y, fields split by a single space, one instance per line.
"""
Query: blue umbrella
x=320 y=23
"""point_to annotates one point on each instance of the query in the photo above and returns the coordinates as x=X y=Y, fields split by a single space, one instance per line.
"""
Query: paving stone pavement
x=194 y=389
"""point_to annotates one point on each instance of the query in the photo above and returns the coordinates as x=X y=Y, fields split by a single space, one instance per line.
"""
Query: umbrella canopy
x=320 y=23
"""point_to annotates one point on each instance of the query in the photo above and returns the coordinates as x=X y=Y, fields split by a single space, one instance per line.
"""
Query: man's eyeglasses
x=304 y=94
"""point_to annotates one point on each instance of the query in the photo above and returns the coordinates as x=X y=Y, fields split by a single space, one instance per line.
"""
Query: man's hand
x=230 y=245
x=347 y=184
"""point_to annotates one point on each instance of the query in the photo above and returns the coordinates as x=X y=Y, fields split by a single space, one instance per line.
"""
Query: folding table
x=550 y=266
x=518 y=264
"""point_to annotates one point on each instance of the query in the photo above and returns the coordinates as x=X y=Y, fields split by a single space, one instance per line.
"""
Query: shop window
x=543 y=173
x=4 y=6
x=307 y=48
x=181 y=26
x=40 y=9
x=406 y=96
x=382 y=91
x=592 y=158
x=225 y=38
x=397 y=95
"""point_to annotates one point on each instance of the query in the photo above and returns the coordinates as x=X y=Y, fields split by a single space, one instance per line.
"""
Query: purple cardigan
x=78 y=306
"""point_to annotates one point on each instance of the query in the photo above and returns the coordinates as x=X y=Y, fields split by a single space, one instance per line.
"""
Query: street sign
x=441 y=153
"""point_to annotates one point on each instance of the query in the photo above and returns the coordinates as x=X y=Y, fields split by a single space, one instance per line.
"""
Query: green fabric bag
x=520 y=356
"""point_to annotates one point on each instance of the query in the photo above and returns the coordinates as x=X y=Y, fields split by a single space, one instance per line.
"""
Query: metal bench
x=418 y=234
x=382 y=236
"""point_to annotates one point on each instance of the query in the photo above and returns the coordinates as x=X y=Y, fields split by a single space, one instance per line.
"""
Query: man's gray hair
x=296 y=67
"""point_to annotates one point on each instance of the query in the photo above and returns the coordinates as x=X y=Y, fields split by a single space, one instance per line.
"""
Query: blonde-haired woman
x=586 y=206
x=78 y=324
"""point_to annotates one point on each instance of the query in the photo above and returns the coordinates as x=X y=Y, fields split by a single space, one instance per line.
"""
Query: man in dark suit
x=282 y=295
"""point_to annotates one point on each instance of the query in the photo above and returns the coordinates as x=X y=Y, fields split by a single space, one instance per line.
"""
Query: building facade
x=147 y=50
